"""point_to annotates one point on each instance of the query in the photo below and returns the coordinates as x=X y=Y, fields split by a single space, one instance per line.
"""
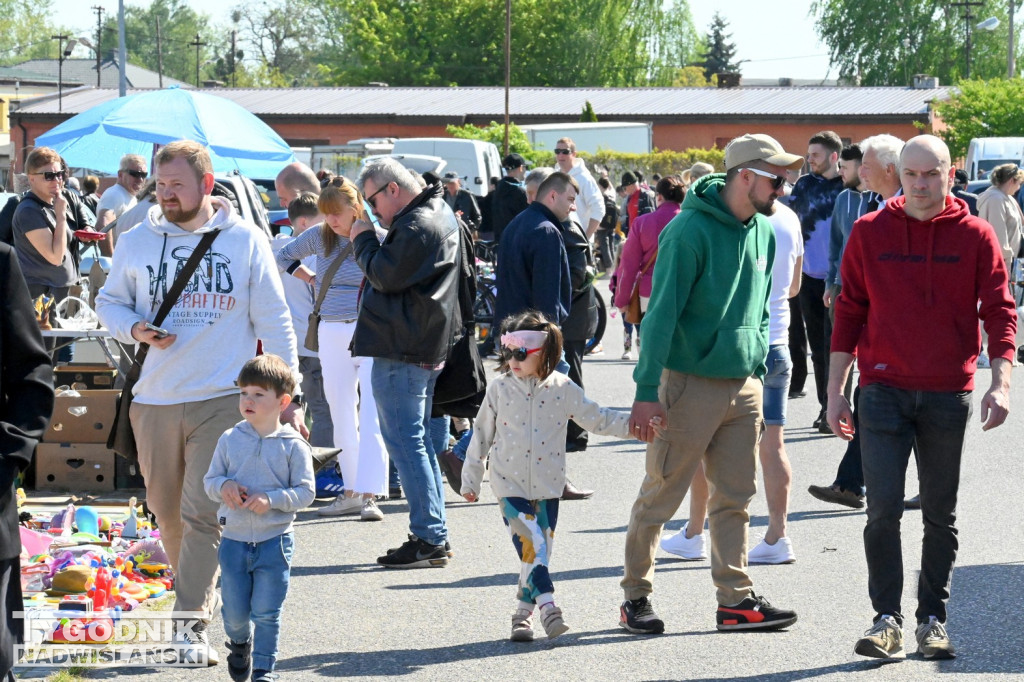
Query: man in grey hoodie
x=186 y=395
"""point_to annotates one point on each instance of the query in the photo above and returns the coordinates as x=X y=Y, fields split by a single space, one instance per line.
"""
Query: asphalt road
x=346 y=617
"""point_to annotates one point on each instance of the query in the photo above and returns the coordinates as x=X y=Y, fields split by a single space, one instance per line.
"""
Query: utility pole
x=1011 y=58
x=968 y=18
x=60 y=69
x=197 y=44
x=159 y=57
x=508 y=64
x=122 y=51
x=99 y=40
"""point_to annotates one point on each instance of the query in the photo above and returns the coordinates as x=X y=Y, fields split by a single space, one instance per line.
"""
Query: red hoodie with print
x=909 y=303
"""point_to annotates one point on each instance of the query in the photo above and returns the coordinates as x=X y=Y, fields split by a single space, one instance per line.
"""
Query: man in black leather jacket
x=407 y=324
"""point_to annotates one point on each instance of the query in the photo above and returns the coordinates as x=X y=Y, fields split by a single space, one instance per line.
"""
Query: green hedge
x=658 y=161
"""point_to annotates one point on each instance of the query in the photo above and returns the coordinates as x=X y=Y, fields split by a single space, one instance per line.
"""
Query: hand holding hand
x=640 y=420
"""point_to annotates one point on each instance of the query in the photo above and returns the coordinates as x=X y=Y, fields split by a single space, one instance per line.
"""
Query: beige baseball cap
x=759 y=147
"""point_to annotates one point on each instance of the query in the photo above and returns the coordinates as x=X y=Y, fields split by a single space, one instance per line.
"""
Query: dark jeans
x=891 y=420
x=574 y=356
x=850 y=475
x=812 y=291
x=797 y=346
x=605 y=244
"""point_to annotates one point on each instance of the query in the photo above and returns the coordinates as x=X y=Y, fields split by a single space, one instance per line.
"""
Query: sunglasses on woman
x=50 y=176
x=518 y=354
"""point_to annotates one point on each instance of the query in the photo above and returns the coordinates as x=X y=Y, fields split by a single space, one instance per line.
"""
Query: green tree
x=588 y=115
x=571 y=43
x=693 y=77
x=886 y=43
x=718 y=53
x=25 y=32
x=981 y=108
x=179 y=26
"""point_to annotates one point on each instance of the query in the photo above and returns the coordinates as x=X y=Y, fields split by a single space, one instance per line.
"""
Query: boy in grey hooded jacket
x=262 y=473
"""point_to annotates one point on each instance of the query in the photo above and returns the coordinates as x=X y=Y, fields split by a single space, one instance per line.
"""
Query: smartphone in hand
x=160 y=333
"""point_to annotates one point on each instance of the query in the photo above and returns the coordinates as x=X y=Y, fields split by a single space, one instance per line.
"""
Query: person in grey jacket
x=262 y=473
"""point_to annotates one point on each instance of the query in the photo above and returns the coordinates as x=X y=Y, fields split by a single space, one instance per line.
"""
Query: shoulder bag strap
x=650 y=261
x=325 y=283
x=173 y=294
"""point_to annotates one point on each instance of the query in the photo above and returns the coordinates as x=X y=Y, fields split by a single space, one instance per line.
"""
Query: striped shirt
x=340 y=303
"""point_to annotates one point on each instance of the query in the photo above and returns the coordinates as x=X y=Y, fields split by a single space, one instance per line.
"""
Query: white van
x=985 y=153
x=474 y=160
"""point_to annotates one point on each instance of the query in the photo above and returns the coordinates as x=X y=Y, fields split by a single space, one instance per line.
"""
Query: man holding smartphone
x=186 y=395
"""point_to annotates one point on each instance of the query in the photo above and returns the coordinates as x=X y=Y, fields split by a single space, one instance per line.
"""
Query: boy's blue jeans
x=253 y=584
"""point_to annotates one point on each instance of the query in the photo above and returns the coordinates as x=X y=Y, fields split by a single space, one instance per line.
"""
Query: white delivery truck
x=474 y=160
x=985 y=153
x=635 y=138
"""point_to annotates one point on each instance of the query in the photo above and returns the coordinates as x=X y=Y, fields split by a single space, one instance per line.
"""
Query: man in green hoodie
x=701 y=373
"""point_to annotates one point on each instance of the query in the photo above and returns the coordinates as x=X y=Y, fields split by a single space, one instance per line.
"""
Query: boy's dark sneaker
x=754 y=613
x=239 y=659
x=638 y=616
x=447 y=547
x=415 y=553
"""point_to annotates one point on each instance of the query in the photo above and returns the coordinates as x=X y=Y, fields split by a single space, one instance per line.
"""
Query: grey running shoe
x=933 y=641
x=883 y=640
x=638 y=616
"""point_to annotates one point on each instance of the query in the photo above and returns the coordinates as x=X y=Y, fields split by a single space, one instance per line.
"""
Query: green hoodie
x=708 y=313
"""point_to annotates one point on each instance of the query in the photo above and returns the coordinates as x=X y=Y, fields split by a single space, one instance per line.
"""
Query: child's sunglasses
x=518 y=354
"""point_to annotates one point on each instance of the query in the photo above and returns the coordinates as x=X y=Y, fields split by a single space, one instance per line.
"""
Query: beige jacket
x=522 y=425
x=1004 y=215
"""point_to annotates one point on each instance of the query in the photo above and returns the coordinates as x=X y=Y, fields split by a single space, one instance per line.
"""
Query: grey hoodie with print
x=280 y=465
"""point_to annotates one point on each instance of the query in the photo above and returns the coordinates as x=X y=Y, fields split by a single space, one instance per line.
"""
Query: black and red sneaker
x=754 y=613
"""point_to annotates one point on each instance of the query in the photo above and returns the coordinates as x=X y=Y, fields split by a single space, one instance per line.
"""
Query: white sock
x=545 y=601
x=525 y=606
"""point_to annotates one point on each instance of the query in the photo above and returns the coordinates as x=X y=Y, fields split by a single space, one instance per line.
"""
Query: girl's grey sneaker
x=522 y=626
x=264 y=676
x=933 y=641
x=239 y=659
x=342 y=506
x=551 y=619
x=883 y=640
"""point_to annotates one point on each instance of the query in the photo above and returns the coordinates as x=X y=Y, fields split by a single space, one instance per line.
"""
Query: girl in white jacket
x=522 y=425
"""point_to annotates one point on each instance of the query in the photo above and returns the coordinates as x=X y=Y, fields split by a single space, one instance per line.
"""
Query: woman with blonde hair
x=998 y=205
x=346 y=379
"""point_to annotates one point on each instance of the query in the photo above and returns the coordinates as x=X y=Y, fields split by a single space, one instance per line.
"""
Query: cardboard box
x=92 y=375
x=75 y=467
x=83 y=419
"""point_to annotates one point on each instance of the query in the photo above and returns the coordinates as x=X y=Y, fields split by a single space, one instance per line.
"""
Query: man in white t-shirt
x=120 y=197
x=776 y=548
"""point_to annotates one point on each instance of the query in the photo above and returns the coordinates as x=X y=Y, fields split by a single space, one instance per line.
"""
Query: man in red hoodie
x=913 y=274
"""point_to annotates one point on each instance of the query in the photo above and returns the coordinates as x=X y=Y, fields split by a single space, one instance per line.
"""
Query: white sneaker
x=194 y=646
x=779 y=553
x=342 y=506
x=370 y=511
x=626 y=355
x=691 y=549
x=983 y=362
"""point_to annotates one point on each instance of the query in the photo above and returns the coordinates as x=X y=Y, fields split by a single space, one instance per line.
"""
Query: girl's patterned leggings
x=531 y=523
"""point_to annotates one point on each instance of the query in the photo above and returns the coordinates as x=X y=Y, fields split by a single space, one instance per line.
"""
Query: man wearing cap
x=959 y=190
x=639 y=200
x=701 y=373
x=510 y=196
x=461 y=201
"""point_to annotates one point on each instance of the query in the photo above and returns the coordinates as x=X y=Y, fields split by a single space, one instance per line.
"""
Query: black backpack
x=611 y=213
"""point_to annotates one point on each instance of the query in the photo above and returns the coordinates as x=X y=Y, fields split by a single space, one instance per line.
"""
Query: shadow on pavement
x=865 y=666
x=510 y=578
x=411 y=661
x=982 y=619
